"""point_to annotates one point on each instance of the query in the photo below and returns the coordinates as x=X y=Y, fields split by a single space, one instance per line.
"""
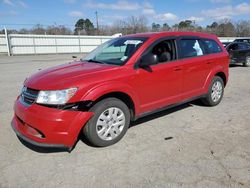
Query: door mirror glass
x=148 y=59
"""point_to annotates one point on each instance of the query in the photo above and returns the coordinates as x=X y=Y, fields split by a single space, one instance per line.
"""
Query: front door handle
x=209 y=62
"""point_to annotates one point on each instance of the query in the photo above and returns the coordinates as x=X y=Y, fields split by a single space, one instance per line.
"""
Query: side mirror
x=148 y=59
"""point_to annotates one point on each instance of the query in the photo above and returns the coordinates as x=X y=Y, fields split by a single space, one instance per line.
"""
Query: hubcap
x=248 y=61
x=217 y=89
x=110 y=123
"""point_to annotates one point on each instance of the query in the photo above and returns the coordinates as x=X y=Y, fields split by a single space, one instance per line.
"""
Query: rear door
x=244 y=49
x=195 y=66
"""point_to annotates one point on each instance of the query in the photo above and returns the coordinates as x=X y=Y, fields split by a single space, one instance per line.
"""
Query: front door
x=160 y=84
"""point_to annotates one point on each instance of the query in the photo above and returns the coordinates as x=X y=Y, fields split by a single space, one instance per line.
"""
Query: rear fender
x=212 y=74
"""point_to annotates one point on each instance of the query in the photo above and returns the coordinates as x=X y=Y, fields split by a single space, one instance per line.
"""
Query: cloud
x=145 y=8
x=243 y=8
x=119 y=5
x=13 y=13
x=8 y=2
x=15 y=3
x=113 y=17
x=148 y=9
x=227 y=11
x=75 y=14
x=166 y=17
x=196 y=19
x=10 y=13
x=22 y=4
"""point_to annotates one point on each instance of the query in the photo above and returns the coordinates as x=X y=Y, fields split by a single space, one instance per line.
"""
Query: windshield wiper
x=95 y=61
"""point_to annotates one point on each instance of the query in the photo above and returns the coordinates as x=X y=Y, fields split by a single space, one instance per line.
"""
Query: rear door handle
x=177 y=68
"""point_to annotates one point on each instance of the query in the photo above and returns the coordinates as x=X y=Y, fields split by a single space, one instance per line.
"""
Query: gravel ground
x=188 y=146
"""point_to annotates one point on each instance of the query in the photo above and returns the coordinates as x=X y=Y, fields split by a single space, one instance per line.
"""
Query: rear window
x=242 y=40
x=243 y=46
x=211 y=46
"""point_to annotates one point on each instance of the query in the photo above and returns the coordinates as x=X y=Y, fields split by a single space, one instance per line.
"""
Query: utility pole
x=7 y=41
x=97 y=23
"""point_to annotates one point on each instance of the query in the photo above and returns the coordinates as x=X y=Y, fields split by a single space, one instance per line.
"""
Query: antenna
x=97 y=23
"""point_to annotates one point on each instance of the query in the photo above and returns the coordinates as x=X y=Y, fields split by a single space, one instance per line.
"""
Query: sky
x=16 y=14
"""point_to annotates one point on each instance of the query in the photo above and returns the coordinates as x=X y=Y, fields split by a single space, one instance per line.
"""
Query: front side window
x=233 y=47
x=116 y=51
x=211 y=46
x=165 y=51
x=190 y=48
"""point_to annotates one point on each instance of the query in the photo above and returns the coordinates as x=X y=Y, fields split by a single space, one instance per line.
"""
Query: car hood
x=66 y=75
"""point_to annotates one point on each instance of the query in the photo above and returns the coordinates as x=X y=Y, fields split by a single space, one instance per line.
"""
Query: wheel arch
x=216 y=71
x=222 y=75
x=122 y=92
x=124 y=97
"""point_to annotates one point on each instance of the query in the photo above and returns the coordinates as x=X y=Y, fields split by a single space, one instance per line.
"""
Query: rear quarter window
x=211 y=46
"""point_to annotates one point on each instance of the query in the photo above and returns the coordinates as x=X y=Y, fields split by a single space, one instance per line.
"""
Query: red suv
x=120 y=81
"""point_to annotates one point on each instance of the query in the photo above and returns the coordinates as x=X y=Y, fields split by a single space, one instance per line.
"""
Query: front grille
x=29 y=96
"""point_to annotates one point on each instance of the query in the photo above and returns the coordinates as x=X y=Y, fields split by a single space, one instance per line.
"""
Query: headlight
x=55 y=97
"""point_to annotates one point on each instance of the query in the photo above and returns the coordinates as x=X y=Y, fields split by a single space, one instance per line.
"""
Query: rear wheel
x=215 y=92
x=109 y=123
x=247 y=62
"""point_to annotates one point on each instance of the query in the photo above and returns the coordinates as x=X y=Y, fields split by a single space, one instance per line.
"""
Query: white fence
x=49 y=44
x=18 y=44
x=228 y=39
x=3 y=44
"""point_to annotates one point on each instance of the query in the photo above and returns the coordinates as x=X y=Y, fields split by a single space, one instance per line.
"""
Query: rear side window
x=190 y=48
x=243 y=46
x=211 y=46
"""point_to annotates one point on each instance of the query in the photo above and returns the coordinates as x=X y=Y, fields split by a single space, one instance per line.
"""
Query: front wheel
x=109 y=123
x=215 y=92
x=247 y=62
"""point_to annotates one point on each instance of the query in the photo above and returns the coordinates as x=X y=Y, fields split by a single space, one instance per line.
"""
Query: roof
x=163 y=34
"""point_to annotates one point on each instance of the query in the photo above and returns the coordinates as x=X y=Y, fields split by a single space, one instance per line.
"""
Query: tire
x=247 y=61
x=109 y=124
x=215 y=92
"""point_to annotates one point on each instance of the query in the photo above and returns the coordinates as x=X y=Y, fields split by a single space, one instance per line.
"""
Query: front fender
x=110 y=87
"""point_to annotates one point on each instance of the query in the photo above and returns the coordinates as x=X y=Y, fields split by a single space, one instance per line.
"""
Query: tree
x=165 y=27
x=226 y=29
x=38 y=29
x=242 y=28
x=137 y=24
x=133 y=24
x=84 y=25
x=187 y=24
x=58 y=30
x=214 y=25
x=156 y=27
x=24 y=31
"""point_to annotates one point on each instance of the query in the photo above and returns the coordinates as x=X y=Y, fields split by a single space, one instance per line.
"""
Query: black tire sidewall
x=245 y=64
x=98 y=108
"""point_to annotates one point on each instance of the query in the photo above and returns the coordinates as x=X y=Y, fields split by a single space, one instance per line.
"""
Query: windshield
x=116 y=51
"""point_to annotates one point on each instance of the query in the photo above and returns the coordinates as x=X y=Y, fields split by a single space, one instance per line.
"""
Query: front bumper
x=48 y=127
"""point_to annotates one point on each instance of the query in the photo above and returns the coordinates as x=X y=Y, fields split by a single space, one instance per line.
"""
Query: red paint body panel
x=164 y=85
x=60 y=127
